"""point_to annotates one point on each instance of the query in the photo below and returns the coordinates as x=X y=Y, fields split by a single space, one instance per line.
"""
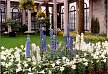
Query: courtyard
x=53 y=37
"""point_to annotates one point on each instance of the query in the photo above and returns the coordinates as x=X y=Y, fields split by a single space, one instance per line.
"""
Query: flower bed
x=83 y=58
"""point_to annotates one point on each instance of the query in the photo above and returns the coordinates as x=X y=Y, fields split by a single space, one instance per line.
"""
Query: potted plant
x=12 y=24
x=30 y=7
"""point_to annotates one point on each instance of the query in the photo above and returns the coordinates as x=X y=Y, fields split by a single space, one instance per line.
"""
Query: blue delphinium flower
x=53 y=41
x=43 y=40
x=27 y=47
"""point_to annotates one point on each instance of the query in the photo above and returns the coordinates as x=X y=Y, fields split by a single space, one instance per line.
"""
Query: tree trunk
x=80 y=12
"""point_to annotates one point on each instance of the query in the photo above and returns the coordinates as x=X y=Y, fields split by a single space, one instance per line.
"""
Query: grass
x=11 y=42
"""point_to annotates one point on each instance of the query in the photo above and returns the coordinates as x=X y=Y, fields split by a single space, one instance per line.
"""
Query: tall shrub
x=95 y=26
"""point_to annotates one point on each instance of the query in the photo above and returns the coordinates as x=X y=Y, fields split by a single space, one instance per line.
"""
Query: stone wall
x=97 y=10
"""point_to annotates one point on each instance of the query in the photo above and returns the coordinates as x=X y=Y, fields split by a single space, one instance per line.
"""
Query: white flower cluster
x=14 y=58
x=36 y=53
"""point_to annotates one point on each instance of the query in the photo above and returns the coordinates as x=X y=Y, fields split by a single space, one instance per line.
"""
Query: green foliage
x=80 y=68
x=42 y=19
x=88 y=37
x=94 y=38
x=23 y=28
x=26 y=4
x=47 y=22
x=68 y=70
x=95 y=26
x=12 y=23
x=40 y=14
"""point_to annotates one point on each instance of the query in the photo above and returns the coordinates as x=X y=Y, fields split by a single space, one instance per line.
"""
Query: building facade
x=92 y=8
x=99 y=10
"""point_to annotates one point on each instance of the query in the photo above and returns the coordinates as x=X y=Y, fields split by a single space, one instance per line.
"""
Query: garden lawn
x=12 y=42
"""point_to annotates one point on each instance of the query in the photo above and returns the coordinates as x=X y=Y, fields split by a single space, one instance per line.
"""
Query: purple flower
x=43 y=40
x=28 y=47
x=54 y=43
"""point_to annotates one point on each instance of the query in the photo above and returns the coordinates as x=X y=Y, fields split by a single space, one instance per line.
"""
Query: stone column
x=76 y=25
x=29 y=20
x=55 y=16
x=8 y=14
x=23 y=17
x=66 y=22
x=90 y=13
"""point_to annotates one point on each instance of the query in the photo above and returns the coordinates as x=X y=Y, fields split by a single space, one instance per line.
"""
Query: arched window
x=50 y=15
x=72 y=16
x=86 y=17
x=2 y=15
x=2 y=18
x=15 y=13
x=62 y=18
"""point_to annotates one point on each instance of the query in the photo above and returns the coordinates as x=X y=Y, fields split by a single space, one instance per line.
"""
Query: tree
x=95 y=26
x=26 y=4
x=80 y=12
